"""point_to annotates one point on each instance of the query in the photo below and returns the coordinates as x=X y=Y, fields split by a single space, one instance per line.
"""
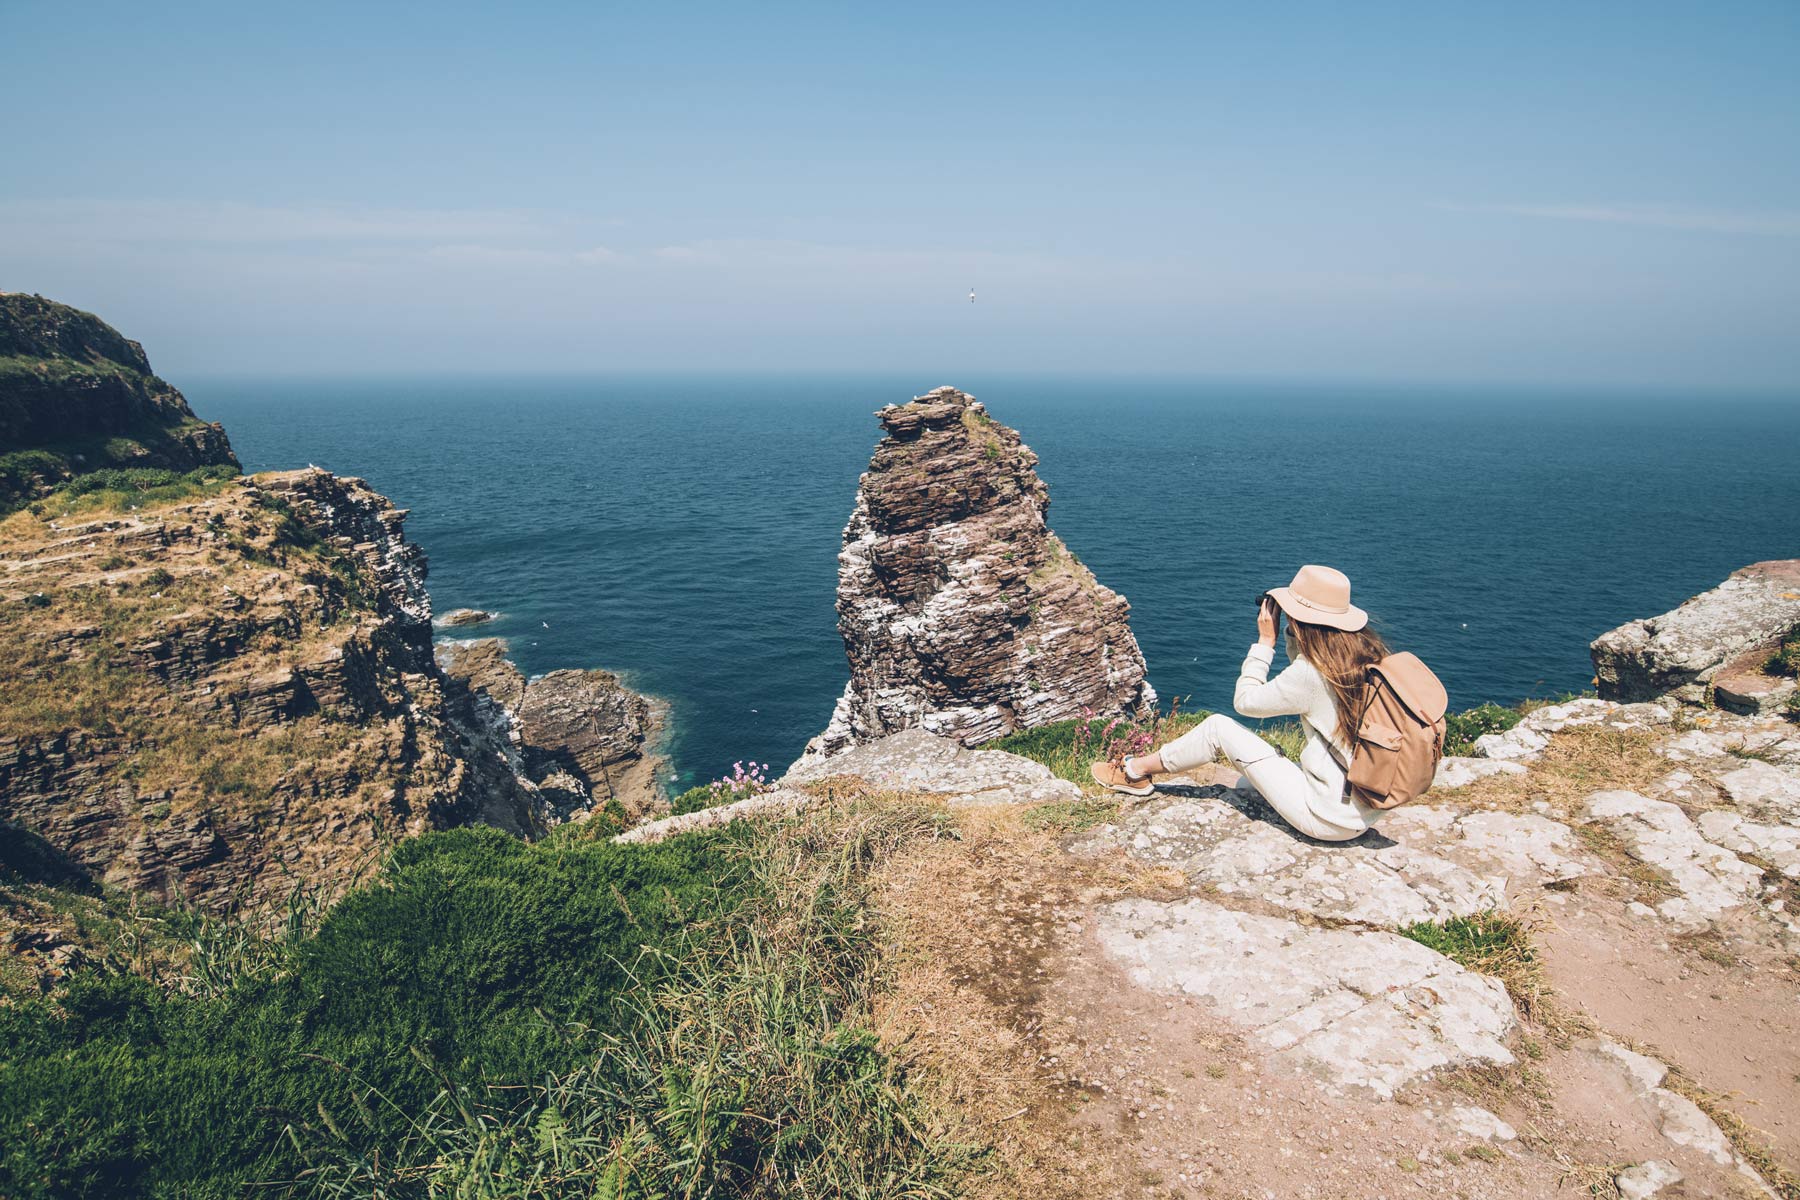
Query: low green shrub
x=458 y=964
x=111 y=489
x=693 y=800
x=495 y=1019
x=1464 y=727
x=748 y=1070
x=1786 y=659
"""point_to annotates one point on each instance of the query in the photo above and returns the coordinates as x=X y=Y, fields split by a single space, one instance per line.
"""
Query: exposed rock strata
x=76 y=395
x=218 y=697
x=585 y=738
x=960 y=611
x=1730 y=631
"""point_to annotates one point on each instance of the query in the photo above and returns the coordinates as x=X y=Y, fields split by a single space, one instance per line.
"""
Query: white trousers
x=1283 y=784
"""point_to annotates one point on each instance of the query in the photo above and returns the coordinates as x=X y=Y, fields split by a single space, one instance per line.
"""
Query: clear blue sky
x=1567 y=193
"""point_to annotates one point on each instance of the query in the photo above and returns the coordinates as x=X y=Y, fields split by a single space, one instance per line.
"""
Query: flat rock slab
x=1679 y=651
x=1711 y=880
x=1522 y=848
x=1764 y=789
x=1424 y=863
x=1527 y=740
x=1456 y=772
x=917 y=761
x=1720 y=735
x=1777 y=845
x=1744 y=685
x=1364 y=1010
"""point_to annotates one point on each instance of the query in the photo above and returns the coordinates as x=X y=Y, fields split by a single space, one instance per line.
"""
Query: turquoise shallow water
x=684 y=531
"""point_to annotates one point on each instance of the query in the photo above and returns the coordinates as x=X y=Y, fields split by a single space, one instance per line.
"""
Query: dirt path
x=1090 y=1083
x=1725 y=1008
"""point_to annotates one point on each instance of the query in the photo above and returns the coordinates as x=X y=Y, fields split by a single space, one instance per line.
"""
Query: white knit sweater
x=1300 y=691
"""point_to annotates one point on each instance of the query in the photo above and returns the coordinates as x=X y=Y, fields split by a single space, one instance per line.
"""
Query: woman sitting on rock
x=1330 y=650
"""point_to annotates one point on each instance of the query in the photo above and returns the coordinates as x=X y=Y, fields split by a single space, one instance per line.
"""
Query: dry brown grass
x=1591 y=1179
x=1752 y=1144
x=1577 y=763
x=969 y=925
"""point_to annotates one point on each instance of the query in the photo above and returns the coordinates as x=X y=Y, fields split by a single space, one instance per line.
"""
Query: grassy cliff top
x=33 y=328
x=77 y=396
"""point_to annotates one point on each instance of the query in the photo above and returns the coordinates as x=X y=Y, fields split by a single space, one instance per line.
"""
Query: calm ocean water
x=684 y=531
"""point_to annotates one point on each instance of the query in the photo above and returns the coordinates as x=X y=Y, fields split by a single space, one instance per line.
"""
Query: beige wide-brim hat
x=1320 y=596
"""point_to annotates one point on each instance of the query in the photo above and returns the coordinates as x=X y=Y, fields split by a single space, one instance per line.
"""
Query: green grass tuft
x=1464 y=727
x=1491 y=943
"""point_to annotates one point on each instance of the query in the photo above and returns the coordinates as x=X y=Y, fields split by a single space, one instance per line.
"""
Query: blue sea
x=683 y=531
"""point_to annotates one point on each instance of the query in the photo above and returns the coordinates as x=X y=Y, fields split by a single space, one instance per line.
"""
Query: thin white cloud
x=468 y=252
x=1766 y=223
x=520 y=256
x=233 y=223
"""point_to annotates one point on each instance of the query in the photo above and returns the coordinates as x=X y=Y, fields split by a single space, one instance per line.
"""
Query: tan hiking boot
x=1112 y=776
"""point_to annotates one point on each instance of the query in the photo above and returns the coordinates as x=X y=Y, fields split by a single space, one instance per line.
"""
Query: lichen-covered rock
x=1364 y=1010
x=1680 y=1121
x=915 y=760
x=1720 y=736
x=1453 y=772
x=1527 y=741
x=1765 y=788
x=1710 y=879
x=960 y=611
x=1679 y=652
x=1424 y=863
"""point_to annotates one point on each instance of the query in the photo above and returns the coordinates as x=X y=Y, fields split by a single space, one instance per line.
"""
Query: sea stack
x=961 y=611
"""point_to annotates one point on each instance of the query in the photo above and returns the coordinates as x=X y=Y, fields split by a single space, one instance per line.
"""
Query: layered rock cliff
x=76 y=395
x=961 y=611
x=583 y=736
x=221 y=695
x=216 y=687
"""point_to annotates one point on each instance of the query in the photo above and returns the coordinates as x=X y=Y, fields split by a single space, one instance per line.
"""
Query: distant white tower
x=971 y=295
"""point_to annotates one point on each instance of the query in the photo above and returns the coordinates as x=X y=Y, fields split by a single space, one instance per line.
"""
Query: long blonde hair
x=1342 y=659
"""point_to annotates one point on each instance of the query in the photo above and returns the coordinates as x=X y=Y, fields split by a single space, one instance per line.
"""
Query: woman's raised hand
x=1265 y=623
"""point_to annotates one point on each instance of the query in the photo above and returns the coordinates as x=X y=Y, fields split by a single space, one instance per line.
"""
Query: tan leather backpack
x=1400 y=737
